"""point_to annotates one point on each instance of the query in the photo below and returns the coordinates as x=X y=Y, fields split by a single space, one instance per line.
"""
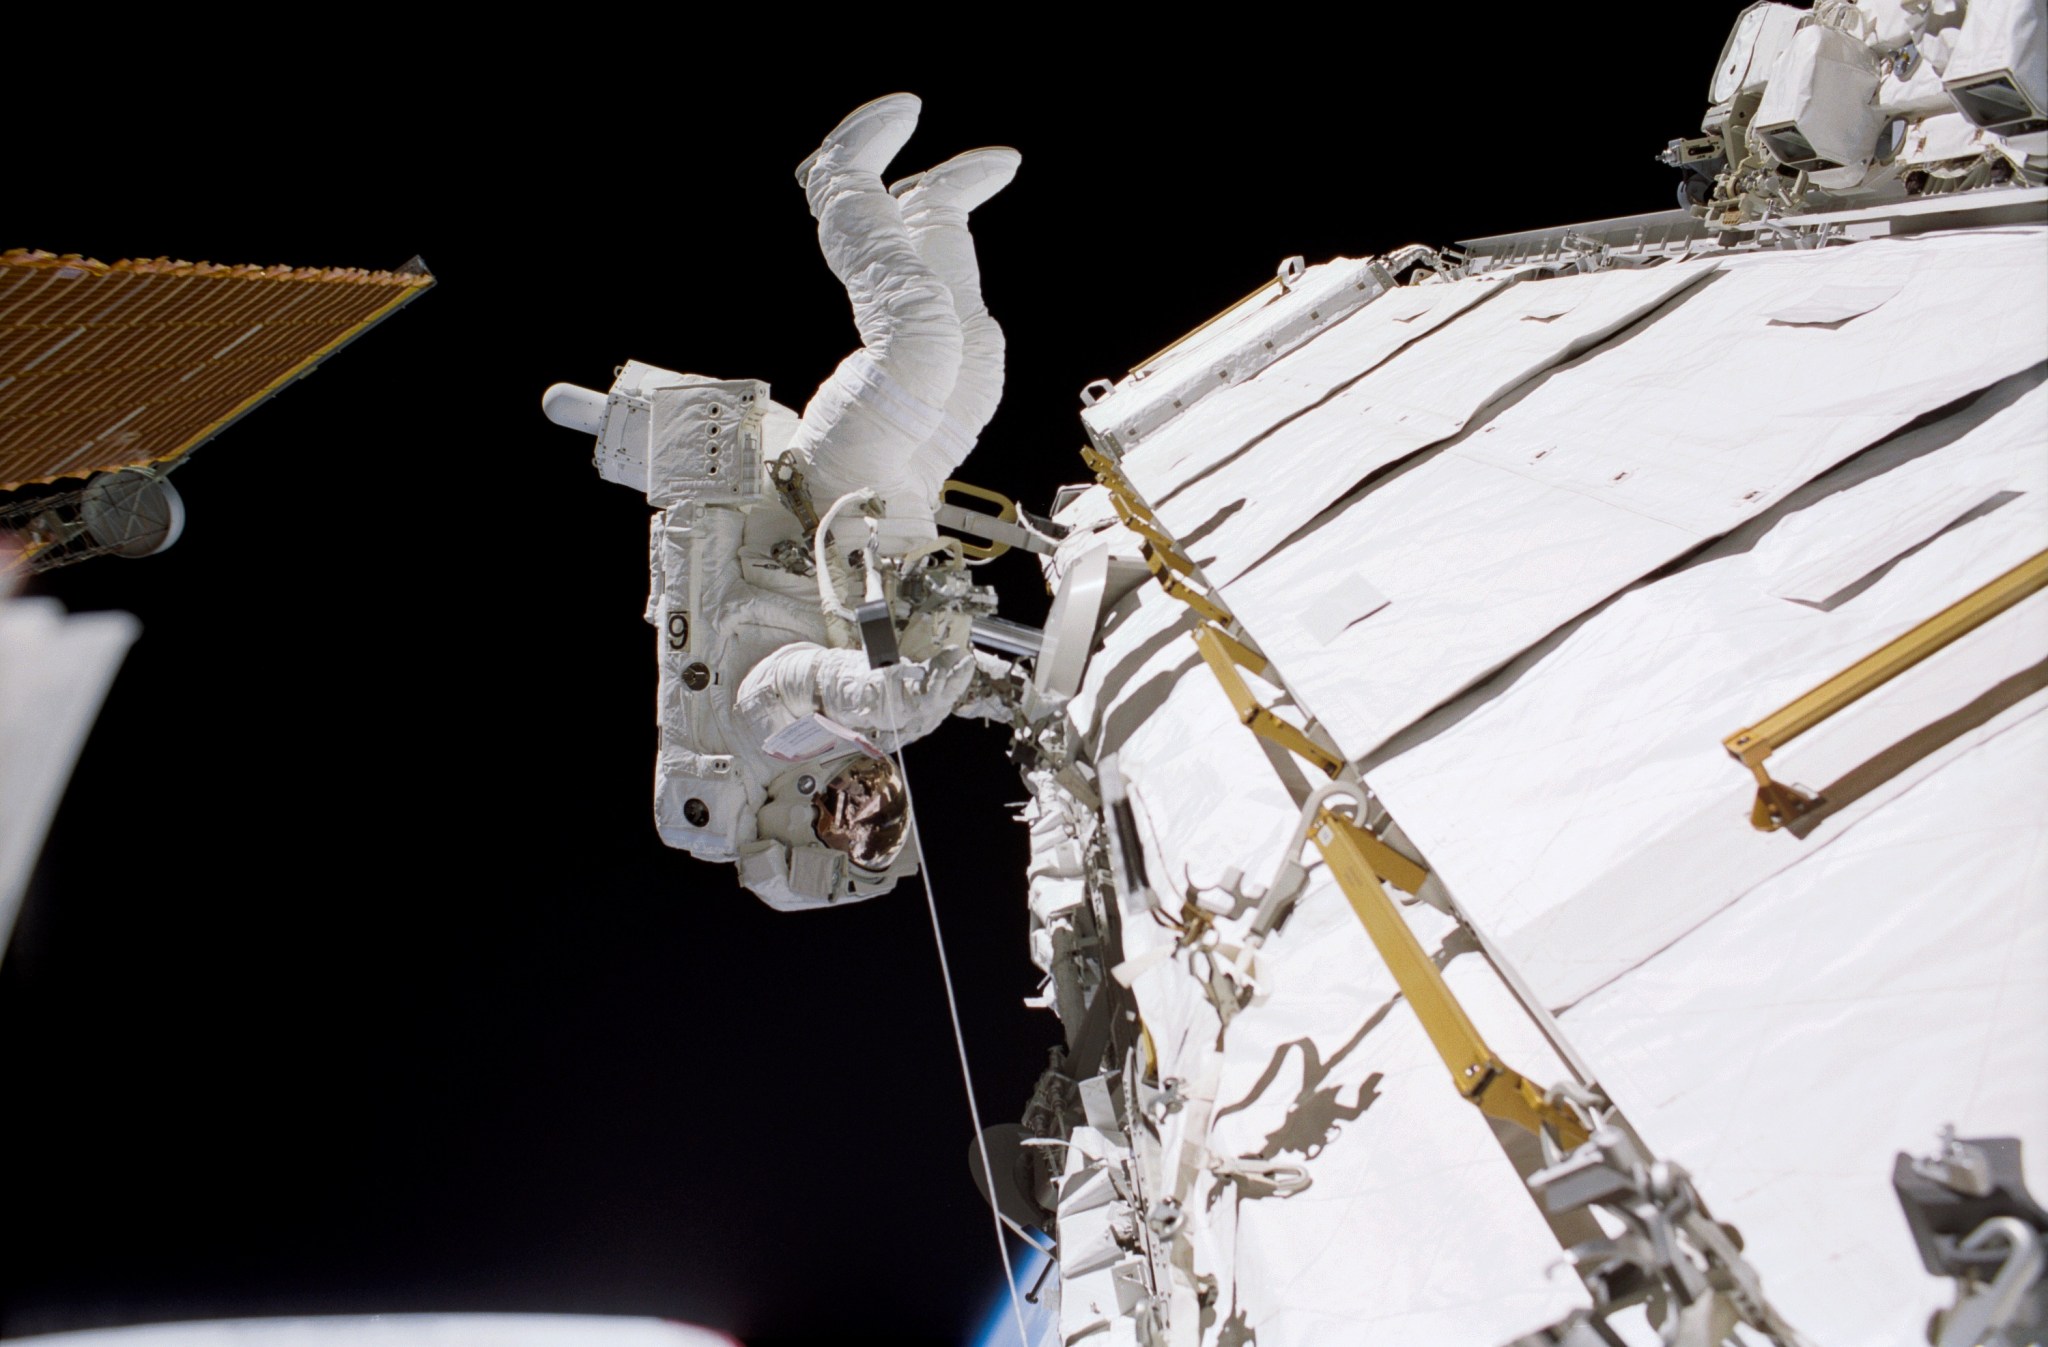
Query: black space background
x=354 y=977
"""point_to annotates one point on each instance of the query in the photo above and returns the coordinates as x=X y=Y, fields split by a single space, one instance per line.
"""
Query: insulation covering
x=1408 y=1192
x=116 y=366
x=2009 y=38
x=1236 y=414
x=1842 y=1012
x=1627 y=459
x=1821 y=100
x=1245 y=506
x=1549 y=799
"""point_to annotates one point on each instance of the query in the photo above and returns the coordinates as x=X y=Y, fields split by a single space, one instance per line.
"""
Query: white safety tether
x=924 y=874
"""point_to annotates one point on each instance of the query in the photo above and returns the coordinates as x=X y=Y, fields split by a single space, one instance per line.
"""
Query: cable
x=828 y=597
x=931 y=902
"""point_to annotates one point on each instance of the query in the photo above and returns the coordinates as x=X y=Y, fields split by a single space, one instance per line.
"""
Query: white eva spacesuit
x=774 y=717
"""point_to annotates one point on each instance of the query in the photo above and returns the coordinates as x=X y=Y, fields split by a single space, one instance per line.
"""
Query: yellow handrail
x=1145 y=366
x=1361 y=863
x=1498 y=1089
x=1777 y=803
x=1008 y=515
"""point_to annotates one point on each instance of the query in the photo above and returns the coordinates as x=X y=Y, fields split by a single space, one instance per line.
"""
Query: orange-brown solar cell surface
x=113 y=366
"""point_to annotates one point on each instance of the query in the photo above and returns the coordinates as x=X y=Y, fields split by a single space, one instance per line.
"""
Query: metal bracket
x=1671 y=1252
x=2007 y=1309
x=788 y=480
x=1973 y=1219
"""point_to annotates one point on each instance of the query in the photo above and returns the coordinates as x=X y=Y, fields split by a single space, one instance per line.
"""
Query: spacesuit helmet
x=864 y=812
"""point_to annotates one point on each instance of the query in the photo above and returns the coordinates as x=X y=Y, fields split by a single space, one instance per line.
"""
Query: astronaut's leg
x=935 y=207
x=865 y=423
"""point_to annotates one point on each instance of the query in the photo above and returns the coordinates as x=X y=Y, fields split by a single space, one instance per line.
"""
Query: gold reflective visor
x=864 y=812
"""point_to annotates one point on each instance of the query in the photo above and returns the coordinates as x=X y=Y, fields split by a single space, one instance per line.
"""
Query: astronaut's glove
x=891 y=706
x=995 y=691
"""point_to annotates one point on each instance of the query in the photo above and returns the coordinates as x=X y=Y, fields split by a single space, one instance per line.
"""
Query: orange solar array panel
x=115 y=366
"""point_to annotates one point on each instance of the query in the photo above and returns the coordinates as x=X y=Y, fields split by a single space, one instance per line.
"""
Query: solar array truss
x=132 y=364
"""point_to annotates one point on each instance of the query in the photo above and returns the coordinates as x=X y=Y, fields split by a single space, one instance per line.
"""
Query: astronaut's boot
x=865 y=140
x=866 y=422
x=935 y=207
x=962 y=182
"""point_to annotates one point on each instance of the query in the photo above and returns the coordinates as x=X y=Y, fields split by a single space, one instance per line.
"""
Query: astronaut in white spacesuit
x=899 y=414
x=775 y=721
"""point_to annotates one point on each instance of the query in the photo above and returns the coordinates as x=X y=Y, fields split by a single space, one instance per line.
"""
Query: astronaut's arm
x=892 y=706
